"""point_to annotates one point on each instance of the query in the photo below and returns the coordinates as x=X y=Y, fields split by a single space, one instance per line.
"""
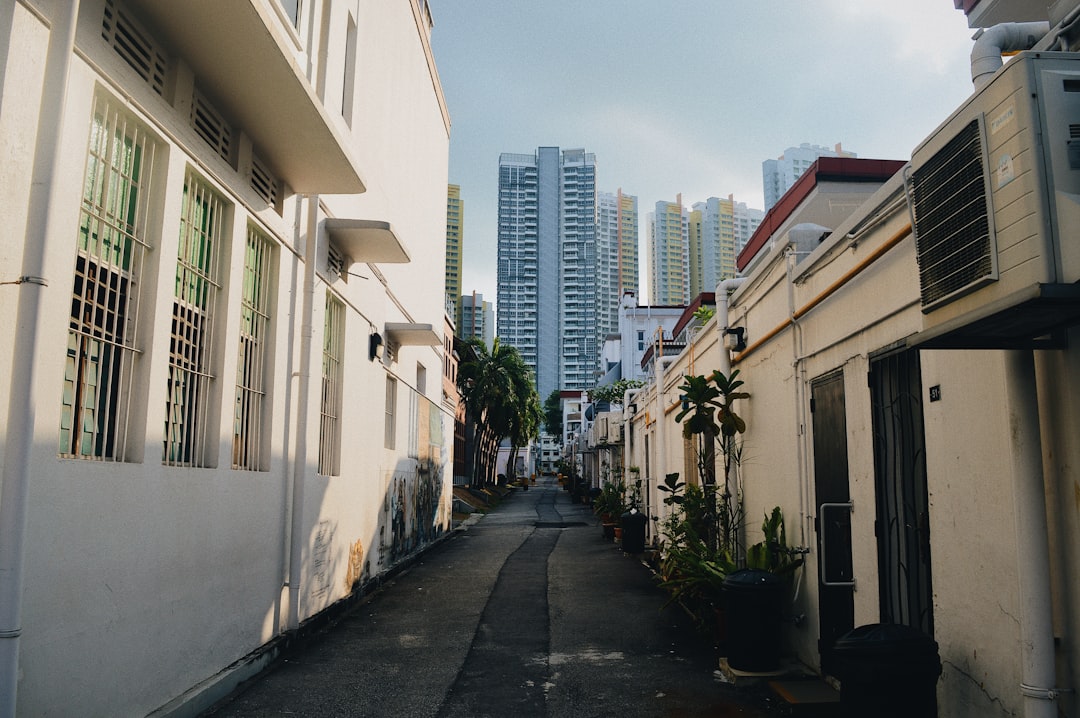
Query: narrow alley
x=528 y=612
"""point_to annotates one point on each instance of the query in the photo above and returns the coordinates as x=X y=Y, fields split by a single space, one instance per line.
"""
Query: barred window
x=248 y=419
x=188 y=399
x=111 y=248
x=330 y=419
x=391 y=402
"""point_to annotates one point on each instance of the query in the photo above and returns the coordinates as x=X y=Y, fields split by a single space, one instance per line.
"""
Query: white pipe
x=722 y=318
x=21 y=409
x=801 y=448
x=660 y=455
x=722 y=299
x=300 y=459
x=1032 y=542
x=628 y=396
x=993 y=41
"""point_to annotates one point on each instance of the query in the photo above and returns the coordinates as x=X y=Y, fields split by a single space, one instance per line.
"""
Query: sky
x=685 y=97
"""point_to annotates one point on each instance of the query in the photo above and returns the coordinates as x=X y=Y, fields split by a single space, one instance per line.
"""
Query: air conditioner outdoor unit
x=994 y=195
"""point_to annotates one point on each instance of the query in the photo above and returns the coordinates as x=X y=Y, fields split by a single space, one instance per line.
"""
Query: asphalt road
x=528 y=613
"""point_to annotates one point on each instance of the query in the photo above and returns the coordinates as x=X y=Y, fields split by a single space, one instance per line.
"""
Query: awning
x=367 y=240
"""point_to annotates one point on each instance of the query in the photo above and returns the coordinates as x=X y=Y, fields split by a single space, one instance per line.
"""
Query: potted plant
x=755 y=598
x=692 y=569
x=609 y=505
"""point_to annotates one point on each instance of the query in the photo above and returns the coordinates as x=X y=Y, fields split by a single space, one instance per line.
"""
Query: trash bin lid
x=751 y=579
x=894 y=639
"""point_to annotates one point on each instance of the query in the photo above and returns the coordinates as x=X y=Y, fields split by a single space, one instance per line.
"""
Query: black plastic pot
x=633 y=531
x=888 y=670
x=754 y=602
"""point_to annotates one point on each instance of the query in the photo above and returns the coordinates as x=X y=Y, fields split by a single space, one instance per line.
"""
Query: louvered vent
x=335 y=261
x=133 y=43
x=263 y=181
x=211 y=126
x=950 y=206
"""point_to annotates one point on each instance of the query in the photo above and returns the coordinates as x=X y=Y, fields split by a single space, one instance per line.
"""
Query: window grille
x=391 y=401
x=211 y=126
x=111 y=248
x=188 y=400
x=248 y=421
x=135 y=45
x=330 y=411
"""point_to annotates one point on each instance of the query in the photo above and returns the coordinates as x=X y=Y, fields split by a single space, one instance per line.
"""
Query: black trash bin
x=888 y=670
x=754 y=603
x=633 y=531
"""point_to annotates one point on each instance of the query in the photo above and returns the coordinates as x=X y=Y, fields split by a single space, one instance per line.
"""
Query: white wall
x=142 y=581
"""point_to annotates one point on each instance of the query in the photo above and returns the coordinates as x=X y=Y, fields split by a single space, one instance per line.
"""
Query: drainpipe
x=300 y=459
x=722 y=289
x=21 y=409
x=628 y=396
x=992 y=42
x=722 y=303
x=1032 y=542
x=660 y=458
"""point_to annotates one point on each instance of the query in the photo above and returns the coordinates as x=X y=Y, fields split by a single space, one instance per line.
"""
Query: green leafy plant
x=709 y=417
x=614 y=393
x=773 y=554
x=611 y=501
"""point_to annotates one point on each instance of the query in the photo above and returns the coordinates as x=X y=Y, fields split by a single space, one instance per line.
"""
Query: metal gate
x=903 y=521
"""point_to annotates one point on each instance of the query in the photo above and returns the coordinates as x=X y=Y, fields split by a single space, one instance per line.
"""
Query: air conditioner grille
x=335 y=262
x=950 y=209
x=263 y=181
x=211 y=126
x=134 y=44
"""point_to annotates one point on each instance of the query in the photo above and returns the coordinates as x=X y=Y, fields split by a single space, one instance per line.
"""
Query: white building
x=641 y=327
x=779 y=175
x=223 y=267
x=477 y=318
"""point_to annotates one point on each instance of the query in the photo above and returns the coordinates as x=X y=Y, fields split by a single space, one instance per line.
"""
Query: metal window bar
x=188 y=397
x=330 y=406
x=110 y=253
x=248 y=419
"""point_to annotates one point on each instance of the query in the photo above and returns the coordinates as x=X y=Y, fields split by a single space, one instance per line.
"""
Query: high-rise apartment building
x=455 y=210
x=477 y=318
x=616 y=256
x=547 y=264
x=669 y=253
x=780 y=174
x=718 y=229
x=746 y=220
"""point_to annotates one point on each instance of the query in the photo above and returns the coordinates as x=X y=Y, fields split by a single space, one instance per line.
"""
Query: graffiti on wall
x=413 y=507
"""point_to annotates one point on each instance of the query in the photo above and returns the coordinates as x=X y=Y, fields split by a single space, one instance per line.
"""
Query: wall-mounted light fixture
x=735 y=338
x=375 y=346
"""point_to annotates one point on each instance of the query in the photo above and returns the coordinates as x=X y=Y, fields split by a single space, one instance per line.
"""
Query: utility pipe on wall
x=300 y=459
x=40 y=230
x=1032 y=541
x=722 y=303
x=993 y=41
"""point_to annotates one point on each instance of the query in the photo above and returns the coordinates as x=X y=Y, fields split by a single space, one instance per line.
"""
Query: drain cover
x=559 y=524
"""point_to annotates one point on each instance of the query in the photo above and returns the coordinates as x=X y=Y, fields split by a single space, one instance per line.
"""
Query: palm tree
x=500 y=401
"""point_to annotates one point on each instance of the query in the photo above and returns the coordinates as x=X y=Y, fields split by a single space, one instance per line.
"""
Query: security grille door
x=903 y=522
x=836 y=604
